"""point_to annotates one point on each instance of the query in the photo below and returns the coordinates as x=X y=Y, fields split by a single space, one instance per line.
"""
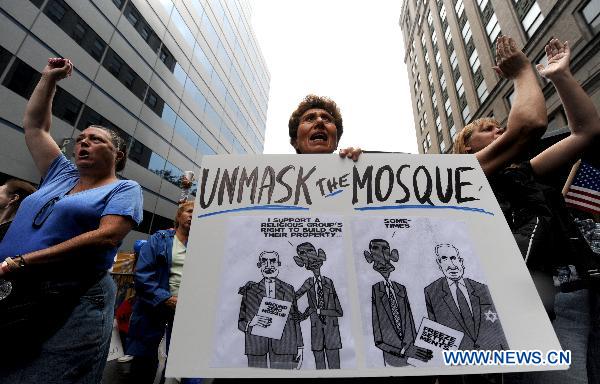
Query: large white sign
x=313 y=265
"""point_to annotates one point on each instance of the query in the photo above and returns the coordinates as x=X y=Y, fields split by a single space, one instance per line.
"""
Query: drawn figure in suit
x=463 y=304
x=323 y=307
x=393 y=324
x=264 y=352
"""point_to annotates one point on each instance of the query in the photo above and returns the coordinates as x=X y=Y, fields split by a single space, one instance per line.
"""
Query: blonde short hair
x=461 y=142
x=180 y=210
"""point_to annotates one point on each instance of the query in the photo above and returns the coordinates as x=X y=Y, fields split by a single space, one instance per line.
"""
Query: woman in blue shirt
x=59 y=248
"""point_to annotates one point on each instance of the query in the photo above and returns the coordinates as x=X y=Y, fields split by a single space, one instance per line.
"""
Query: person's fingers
x=512 y=44
x=567 y=47
x=540 y=68
x=548 y=51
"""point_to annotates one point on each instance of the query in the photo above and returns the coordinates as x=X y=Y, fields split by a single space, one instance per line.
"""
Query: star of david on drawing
x=491 y=316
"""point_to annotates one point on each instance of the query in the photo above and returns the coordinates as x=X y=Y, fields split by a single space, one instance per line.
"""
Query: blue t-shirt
x=50 y=216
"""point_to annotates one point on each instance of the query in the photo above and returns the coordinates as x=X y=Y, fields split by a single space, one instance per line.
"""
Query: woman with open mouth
x=56 y=323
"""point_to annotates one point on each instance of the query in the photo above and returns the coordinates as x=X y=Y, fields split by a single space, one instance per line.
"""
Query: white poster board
x=367 y=254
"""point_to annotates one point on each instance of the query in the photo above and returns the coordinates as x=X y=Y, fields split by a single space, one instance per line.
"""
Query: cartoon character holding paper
x=323 y=307
x=393 y=323
x=263 y=304
x=463 y=304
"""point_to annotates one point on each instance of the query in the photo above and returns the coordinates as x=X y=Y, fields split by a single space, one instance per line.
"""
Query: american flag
x=584 y=191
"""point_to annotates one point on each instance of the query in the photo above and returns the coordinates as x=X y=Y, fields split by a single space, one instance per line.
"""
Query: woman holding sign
x=56 y=323
x=158 y=273
x=548 y=241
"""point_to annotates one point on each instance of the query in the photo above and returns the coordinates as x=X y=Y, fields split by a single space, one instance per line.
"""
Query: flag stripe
x=581 y=208
x=581 y=205
x=585 y=191
x=583 y=199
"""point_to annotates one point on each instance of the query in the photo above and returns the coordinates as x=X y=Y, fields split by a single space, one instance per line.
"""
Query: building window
x=453 y=131
x=460 y=8
x=442 y=146
x=56 y=10
x=474 y=61
x=438 y=124
x=424 y=144
x=460 y=88
x=428 y=138
x=21 y=79
x=466 y=114
x=493 y=28
x=448 y=35
x=5 y=57
x=482 y=92
x=533 y=19
x=591 y=14
x=453 y=60
x=425 y=118
x=448 y=107
x=466 y=32
x=421 y=125
x=118 y=3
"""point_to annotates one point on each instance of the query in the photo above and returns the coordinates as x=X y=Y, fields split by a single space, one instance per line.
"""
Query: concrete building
x=179 y=79
x=450 y=52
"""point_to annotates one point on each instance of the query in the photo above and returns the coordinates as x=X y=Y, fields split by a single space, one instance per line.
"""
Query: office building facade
x=450 y=52
x=179 y=79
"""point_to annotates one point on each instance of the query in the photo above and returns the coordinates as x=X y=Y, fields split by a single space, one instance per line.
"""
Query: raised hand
x=559 y=56
x=510 y=61
x=57 y=68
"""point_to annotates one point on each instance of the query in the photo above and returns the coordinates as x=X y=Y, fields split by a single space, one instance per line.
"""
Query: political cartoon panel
x=427 y=291
x=286 y=275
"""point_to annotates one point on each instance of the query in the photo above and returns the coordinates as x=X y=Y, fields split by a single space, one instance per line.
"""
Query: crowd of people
x=59 y=241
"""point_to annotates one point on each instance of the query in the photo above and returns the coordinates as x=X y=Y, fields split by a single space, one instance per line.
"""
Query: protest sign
x=359 y=253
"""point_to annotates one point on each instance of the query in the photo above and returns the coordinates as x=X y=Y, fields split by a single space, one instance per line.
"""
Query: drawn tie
x=395 y=311
x=465 y=311
x=320 y=300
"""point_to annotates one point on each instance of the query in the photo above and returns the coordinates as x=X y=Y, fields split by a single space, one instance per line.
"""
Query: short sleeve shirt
x=50 y=216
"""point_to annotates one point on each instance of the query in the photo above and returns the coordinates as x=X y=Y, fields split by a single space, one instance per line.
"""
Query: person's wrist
x=559 y=75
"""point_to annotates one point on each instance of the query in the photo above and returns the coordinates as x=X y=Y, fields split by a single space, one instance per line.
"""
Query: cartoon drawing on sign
x=323 y=308
x=463 y=304
x=273 y=338
x=393 y=324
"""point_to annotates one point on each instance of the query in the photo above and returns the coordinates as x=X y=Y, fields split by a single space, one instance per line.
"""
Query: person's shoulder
x=477 y=285
x=435 y=284
x=163 y=234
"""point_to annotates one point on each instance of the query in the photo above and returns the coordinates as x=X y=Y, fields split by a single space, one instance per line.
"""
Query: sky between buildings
x=349 y=50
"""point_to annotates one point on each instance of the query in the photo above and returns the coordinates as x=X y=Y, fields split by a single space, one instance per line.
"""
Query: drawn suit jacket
x=291 y=338
x=442 y=309
x=384 y=333
x=323 y=335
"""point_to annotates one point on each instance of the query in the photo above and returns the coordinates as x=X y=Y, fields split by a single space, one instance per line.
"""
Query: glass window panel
x=21 y=78
x=169 y=115
x=198 y=8
x=179 y=73
x=209 y=32
x=185 y=131
x=203 y=59
x=212 y=116
x=156 y=164
x=591 y=13
x=5 y=57
x=172 y=174
x=167 y=5
x=195 y=93
x=482 y=91
x=533 y=19
x=182 y=27
x=204 y=148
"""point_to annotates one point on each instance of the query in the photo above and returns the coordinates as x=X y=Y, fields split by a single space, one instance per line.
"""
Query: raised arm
x=527 y=119
x=38 y=115
x=582 y=116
